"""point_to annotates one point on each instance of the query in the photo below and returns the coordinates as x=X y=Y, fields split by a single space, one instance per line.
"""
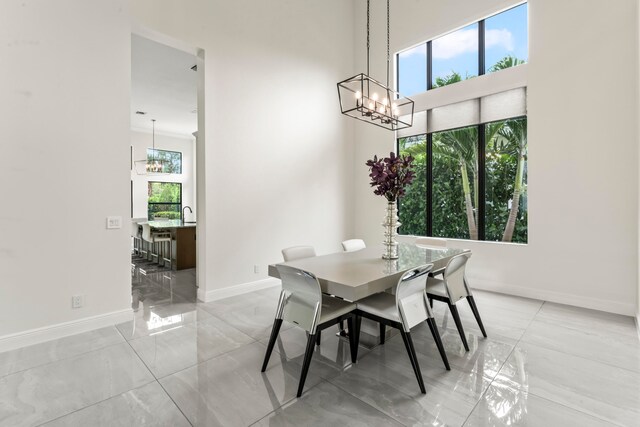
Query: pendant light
x=154 y=165
x=367 y=99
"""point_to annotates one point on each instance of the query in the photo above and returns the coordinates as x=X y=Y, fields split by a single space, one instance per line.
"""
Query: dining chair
x=298 y=252
x=451 y=289
x=303 y=304
x=404 y=310
x=431 y=241
x=353 y=245
x=426 y=242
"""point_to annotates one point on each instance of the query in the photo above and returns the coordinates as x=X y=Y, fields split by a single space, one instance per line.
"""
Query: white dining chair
x=453 y=288
x=404 y=310
x=352 y=245
x=431 y=241
x=298 y=252
x=303 y=304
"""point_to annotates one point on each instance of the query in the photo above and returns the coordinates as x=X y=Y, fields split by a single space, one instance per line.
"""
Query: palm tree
x=460 y=145
x=506 y=62
x=513 y=138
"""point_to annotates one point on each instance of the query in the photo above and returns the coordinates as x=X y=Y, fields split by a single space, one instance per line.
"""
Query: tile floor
x=181 y=363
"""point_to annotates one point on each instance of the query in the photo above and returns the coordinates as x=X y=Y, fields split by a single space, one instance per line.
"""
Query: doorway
x=164 y=201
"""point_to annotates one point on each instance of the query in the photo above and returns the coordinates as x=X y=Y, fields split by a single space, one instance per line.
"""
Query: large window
x=165 y=200
x=486 y=46
x=171 y=160
x=471 y=183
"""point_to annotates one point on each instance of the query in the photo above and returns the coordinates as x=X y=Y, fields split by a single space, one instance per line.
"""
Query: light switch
x=114 y=222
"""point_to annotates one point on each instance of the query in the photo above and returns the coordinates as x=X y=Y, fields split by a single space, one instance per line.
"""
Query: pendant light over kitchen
x=153 y=165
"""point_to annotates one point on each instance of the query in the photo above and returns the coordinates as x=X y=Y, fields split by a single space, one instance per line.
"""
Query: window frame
x=481 y=208
x=165 y=151
x=179 y=204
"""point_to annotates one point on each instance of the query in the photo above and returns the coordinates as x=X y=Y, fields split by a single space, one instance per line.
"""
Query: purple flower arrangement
x=390 y=175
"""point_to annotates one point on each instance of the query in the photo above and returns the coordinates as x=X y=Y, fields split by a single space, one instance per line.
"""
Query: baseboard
x=48 y=333
x=231 y=291
x=557 y=297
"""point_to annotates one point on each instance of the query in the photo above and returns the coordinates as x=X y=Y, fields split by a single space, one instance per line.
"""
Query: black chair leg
x=408 y=343
x=353 y=346
x=356 y=330
x=431 y=302
x=456 y=318
x=318 y=335
x=436 y=337
x=272 y=341
x=307 y=361
x=476 y=313
x=383 y=333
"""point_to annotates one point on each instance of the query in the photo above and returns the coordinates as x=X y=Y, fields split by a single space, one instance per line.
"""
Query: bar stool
x=155 y=237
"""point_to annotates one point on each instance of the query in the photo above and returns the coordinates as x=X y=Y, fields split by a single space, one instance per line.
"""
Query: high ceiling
x=164 y=86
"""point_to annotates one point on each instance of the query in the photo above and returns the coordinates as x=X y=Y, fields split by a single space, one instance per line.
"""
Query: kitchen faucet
x=186 y=207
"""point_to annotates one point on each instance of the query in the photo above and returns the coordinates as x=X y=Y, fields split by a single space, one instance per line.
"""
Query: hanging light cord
x=153 y=127
x=368 y=44
x=388 y=55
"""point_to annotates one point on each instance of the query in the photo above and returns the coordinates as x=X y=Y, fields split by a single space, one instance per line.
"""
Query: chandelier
x=153 y=165
x=367 y=99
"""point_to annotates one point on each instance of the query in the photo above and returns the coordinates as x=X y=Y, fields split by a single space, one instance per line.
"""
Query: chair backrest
x=302 y=298
x=135 y=229
x=298 y=252
x=405 y=238
x=431 y=241
x=454 y=279
x=146 y=232
x=353 y=245
x=411 y=297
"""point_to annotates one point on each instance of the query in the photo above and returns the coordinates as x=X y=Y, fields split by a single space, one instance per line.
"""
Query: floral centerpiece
x=390 y=176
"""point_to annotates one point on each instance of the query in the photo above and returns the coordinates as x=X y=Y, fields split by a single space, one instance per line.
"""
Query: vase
x=391 y=225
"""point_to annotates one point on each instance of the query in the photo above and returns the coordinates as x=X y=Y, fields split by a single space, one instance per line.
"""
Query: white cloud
x=466 y=41
x=454 y=44
x=501 y=37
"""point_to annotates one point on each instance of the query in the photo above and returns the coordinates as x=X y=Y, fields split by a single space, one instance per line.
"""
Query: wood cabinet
x=185 y=252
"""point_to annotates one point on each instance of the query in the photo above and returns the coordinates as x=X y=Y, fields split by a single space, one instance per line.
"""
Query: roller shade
x=490 y=108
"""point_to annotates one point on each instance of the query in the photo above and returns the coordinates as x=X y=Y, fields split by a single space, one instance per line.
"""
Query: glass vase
x=391 y=225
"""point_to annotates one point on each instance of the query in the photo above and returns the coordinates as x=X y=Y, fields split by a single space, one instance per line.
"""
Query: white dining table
x=356 y=275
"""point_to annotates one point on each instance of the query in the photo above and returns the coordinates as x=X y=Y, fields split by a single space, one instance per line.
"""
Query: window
x=506 y=39
x=414 y=203
x=172 y=159
x=486 y=46
x=471 y=183
x=165 y=200
x=412 y=70
x=454 y=57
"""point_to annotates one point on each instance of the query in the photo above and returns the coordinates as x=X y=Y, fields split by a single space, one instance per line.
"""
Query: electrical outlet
x=256 y=269
x=114 y=222
x=76 y=301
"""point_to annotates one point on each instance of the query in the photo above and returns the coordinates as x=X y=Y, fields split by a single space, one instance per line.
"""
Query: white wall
x=583 y=148
x=64 y=136
x=278 y=154
x=140 y=142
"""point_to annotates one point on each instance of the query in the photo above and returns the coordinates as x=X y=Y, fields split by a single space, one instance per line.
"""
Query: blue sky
x=505 y=34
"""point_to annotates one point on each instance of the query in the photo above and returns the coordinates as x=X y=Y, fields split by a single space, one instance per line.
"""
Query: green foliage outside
x=164 y=200
x=454 y=151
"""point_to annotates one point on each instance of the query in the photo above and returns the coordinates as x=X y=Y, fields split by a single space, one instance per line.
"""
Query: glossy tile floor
x=182 y=363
